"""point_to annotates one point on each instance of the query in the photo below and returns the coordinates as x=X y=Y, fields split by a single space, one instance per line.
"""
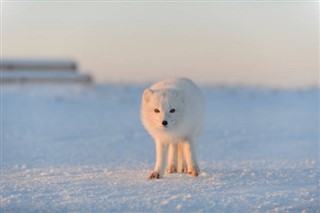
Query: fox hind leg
x=181 y=162
x=172 y=158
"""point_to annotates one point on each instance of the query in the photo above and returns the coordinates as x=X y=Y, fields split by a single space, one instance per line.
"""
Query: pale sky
x=272 y=44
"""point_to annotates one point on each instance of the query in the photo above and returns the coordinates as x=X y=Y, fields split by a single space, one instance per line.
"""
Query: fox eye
x=156 y=110
x=172 y=110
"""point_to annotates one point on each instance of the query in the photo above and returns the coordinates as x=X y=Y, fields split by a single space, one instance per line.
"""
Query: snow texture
x=82 y=148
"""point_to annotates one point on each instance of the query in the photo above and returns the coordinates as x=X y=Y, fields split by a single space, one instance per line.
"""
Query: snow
x=82 y=148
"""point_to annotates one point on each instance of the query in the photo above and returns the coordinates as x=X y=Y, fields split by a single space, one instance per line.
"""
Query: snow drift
x=82 y=148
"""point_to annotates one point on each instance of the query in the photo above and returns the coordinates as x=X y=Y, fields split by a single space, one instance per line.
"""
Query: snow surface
x=82 y=148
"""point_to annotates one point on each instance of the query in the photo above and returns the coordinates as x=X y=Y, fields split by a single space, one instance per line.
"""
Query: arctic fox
x=172 y=111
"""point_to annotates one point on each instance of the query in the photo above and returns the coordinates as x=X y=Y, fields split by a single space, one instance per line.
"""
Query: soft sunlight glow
x=261 y=44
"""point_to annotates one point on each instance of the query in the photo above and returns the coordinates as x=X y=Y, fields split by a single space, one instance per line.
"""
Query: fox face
x=163 y=108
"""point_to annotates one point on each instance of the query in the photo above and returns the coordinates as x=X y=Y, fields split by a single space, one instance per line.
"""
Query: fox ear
x=147 y=94
x=180 y=95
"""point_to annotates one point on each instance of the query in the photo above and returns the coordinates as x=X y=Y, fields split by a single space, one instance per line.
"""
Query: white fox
x=172 y=111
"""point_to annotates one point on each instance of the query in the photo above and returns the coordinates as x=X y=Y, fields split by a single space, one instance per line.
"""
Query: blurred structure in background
x=41 y=71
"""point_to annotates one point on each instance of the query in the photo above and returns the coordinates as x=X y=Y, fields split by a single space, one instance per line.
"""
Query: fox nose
x=164 y=123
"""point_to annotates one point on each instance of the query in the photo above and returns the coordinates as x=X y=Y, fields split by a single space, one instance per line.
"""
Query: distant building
x=41 y=71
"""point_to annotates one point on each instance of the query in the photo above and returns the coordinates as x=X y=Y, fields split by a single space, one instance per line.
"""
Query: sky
x=255 y=43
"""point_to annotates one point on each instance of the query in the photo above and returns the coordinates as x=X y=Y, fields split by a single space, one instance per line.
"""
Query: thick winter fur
x=172 y=111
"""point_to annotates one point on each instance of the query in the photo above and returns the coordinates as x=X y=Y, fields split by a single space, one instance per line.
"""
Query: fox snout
x=164 y=123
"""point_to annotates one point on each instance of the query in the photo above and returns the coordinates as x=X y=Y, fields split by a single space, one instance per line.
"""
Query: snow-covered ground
x=82 y=148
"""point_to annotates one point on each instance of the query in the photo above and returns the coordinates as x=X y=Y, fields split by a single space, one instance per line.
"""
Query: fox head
x=162 y=109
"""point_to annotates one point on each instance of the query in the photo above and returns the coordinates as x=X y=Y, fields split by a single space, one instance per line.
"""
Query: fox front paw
x=154 y=175
x=193 y=172
x=171 y=169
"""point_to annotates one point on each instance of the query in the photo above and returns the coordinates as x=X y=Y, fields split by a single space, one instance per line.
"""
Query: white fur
x=176 y=141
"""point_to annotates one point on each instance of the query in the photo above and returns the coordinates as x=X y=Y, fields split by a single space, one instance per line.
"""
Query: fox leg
x=161 y=150
x=190 y=157
x=181 y=163
x=172 y=158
